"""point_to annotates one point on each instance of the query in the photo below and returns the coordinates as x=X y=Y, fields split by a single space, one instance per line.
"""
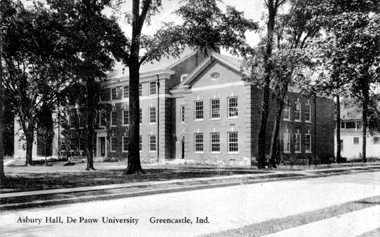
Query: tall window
x=286 y=142
x=125 y=144
x=125 y=117
x=341 y=145
x=113 y=118
x=140 y=89
x=102 y=119
x=308 y=142
x=198 y=109
x=152 y=115
x=286 y=110
x=140 y=143
x=297 y=111
x=215 y=108
x=126 y=91
x=72 y=119
x=308 y=112
x=215 y=142
x=140 y=116
x=297 y=142
x=152 y=143
x=182 y=111
x=199 y=142
x=114 y=93
x=233 y=110
x=152 y=88
x=233 y=142
x=113 y=143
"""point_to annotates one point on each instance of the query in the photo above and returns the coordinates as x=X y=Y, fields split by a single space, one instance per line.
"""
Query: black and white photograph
x=210 y=118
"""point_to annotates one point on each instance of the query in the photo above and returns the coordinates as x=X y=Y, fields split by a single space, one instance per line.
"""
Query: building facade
x=199 y=108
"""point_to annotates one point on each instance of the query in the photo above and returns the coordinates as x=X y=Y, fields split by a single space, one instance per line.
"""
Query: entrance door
x=102 y=146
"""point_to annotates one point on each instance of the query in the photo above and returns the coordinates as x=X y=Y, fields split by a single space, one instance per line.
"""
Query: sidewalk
x=47 y=197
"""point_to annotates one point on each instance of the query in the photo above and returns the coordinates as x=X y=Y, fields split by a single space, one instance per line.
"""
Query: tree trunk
x=276 y=130
x=134 y=164
x=29 y=146
x=338 y=144
x=2 y=176
x=90 y=123
x=266 y=89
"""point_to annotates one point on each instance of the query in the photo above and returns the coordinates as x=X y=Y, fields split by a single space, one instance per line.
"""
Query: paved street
x=224 y=208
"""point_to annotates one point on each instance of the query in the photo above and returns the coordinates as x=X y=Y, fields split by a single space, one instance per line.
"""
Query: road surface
x=177 y=214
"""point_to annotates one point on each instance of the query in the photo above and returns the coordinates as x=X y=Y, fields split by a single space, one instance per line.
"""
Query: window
x=126 y=91
x=349 y=125
x=125 y=117
x=286 y=110
x=114 y=93
x=102 y=119
x=215 y=108
x=199 y=142
x=356 y=140
x=152 y=88
x=182 y=111
x=73 y=144
x=113 y=118
x=286 y=142
x=308 y=112
x=140 y=89
x=233 y=110
x=359 y=125
x=152 y=115
x=72 y=119
x=152 y=143
x=63 y=144
x=140 y=143
x=308 y=142
x=341 y=145
x=297 y=111
x=198 y=109
x=297 y=142
x=215 y=142
x=140 y=116
x=376 y=140
x=113 y=143
x=233 y=142
x=125 y=144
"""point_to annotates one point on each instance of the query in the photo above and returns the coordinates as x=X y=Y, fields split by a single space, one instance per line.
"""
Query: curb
x=234 y=181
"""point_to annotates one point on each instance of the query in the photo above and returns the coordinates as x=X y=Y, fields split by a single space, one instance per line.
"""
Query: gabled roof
x=120 y=70
x=232 y=62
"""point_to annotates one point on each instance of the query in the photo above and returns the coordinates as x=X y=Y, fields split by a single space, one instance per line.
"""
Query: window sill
x=232 y=117
x=307 y=121
x=309 y=152
x=197 y=120
x=215 y=152
x=214 y=119
x=298 y=152
x=198 y=152
x=233 y=153
x=298 y=121
x=286 y=152
x=285 y=119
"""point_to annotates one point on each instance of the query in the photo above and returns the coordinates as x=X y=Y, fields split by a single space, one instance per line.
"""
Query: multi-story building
x=198 y=107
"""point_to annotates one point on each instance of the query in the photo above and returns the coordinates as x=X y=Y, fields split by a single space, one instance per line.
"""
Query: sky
x=253 y=9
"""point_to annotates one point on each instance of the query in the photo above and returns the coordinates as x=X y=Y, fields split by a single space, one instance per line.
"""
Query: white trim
x=240 y=83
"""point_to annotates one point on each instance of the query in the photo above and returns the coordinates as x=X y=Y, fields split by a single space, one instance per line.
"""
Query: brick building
x=198 y=108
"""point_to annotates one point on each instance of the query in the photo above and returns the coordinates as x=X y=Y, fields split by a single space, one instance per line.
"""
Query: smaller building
x=351 y=136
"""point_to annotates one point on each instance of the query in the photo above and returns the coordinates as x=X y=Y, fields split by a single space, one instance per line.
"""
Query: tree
x=95 y=41
x=34 y=66
x=204 y=27
x=351 y=49
x=272 y=7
